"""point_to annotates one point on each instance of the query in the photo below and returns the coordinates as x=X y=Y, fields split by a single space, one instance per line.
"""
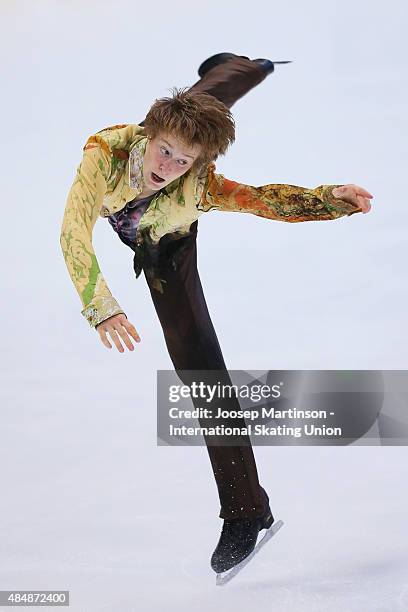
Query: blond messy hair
x=195 y=118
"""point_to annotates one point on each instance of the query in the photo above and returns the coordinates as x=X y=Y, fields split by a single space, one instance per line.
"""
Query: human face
x=166 y=158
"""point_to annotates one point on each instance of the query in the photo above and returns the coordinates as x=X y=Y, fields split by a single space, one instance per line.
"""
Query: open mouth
x=156 y=179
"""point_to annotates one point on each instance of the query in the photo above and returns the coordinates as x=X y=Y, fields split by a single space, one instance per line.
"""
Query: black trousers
x=188 y=330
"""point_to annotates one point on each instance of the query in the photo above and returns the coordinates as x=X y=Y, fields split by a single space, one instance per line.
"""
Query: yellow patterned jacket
x=110 y=175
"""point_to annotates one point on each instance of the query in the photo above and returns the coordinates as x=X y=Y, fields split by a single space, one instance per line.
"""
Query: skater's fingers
x=125 y=337
x=131 y=329
x=108 y=326
x=364 y=204
x=350 y=192
x=114 y=336
x=109 y=329
x=361 y=191
x=103 y=337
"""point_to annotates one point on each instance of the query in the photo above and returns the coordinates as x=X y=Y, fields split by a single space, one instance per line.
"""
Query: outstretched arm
x=81 y=212
x=284 y=202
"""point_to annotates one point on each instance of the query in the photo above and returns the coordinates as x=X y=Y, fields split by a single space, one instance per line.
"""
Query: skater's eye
x=166 y=152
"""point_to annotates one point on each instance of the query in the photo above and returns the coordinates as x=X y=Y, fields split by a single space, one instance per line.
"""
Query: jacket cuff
x=341 y=207
x=100 y=309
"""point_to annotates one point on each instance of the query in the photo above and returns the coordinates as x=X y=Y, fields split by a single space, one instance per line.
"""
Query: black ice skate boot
x=238 y=540
x=220 y=58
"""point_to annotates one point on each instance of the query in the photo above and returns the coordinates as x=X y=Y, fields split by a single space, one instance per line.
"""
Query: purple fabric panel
x=125 y=222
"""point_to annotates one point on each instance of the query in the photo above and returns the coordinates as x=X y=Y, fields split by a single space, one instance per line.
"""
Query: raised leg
x=231 y=80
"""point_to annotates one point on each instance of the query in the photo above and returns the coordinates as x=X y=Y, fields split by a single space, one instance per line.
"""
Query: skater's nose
x=166 y=168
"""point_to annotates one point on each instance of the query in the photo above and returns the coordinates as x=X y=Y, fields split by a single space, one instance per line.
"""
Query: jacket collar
x=136 y=156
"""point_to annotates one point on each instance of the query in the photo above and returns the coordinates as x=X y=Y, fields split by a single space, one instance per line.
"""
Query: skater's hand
x=116 y=326
x=354 y=194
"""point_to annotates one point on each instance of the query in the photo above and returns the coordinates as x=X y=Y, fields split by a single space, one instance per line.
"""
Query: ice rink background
x=89 y=502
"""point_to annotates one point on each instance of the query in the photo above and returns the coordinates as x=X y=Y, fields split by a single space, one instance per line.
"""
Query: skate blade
x=225 y=577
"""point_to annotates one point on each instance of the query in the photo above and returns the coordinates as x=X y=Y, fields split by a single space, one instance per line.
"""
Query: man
x=153 y=181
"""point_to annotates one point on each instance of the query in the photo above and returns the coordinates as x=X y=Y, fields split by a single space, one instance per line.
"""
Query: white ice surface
x=89 y=503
